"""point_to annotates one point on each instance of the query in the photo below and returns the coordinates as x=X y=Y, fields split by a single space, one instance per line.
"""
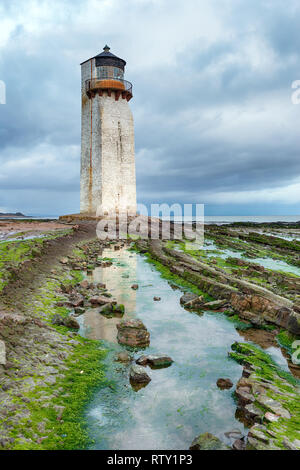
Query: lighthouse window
x=118 y=73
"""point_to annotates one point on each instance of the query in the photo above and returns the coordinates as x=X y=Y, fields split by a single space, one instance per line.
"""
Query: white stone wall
x=107 y=152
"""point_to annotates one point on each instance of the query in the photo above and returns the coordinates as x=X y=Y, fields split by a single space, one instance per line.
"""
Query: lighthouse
x=107 y=175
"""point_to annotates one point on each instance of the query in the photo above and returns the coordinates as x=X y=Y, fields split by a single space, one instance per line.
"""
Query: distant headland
x=12 y=214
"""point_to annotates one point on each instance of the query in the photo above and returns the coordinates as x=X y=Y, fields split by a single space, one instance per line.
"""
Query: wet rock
x=85 y=284
x=273 y=405
x=189 y=299
x=71 y=322
x=100 y=285
x=76 y=300
x=133 y=333
x=134 y=286
x=156 y=299
x=207 y=441
x=258 y=432
x=124 y=356
x=155 y=361
x=138 y=375
x=64 y=260
x=234 y=434
x=2 y=353
x=79 y=310
x=239 y=444
x=112 y=309
x=224 y=383
x=99 y=300
x=215 y=304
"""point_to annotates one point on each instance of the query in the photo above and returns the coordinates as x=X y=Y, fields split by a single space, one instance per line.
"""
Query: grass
x=83 y=372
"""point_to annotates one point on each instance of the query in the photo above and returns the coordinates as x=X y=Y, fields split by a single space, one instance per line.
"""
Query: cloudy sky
x=214 y=119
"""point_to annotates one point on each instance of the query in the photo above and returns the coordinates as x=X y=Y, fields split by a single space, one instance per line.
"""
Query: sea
x=209 y=219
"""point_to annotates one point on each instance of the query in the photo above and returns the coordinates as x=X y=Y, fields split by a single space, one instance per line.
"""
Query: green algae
x=285 y=390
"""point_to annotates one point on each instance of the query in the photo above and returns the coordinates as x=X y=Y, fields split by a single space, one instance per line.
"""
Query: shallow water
x=268 y=263
x=181 y=401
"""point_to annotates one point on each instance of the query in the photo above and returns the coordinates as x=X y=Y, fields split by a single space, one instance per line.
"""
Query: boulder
x=207 y=441
x=156 y=299
x=224 y=383
x=99 y=300
x=138 y=375
x=239 y=444
x=188 y=297
x=155 y=361
x=112 y=309
x=133 y=333
x=134 y=286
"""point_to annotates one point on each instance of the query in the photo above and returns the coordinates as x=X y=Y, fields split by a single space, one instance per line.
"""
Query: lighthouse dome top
x=106 y=58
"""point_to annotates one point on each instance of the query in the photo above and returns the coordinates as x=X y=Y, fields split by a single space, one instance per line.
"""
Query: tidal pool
x=268 y=263
x=181 y=401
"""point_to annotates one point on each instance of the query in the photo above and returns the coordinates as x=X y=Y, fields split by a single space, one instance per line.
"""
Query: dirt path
x=33 y=275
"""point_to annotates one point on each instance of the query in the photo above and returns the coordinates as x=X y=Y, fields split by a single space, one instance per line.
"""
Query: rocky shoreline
x=48 y=371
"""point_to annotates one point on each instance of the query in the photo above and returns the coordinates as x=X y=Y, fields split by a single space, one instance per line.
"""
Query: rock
x=189 y=300
x=157 y=299
x=124 y=356
x=2 y=353
x=239 y=444
x=234 y=434
x=244 y=397
x=273 y=405
x=258 y=432
x=133 y=333
x=71 y=322
x=216 y=304
x=99 y=300
x=142 y=360
x=271 y=417
x=134 y=286
x=155 y=361
x=100 y=285
x=207 y=441
x=64 y=260
x=76 y=300
x=295 y=445
x=224 y=383
x=85 y=284
x=138 y=375
x=79 y=310
x=112 y=310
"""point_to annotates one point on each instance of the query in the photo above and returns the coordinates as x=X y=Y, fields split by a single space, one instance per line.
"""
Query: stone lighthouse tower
x=107 y=181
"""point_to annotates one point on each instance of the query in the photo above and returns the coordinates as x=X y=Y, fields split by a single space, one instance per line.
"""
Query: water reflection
x=93 y=324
